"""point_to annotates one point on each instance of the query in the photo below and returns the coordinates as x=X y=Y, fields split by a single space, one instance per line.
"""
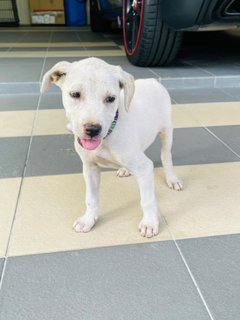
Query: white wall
x=23 y=11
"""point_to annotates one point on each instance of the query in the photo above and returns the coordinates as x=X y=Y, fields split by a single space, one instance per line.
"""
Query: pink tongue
x=90 y=144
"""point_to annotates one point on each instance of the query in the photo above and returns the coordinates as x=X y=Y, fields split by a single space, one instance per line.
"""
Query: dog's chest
x=104 y=158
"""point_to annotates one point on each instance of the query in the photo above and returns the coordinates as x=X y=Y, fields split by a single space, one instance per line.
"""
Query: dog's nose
x=92 y=130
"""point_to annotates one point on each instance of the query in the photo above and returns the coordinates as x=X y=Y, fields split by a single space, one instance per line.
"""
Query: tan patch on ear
x=56 y=76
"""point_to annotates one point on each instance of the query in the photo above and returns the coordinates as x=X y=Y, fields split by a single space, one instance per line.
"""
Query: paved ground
x=191 y=269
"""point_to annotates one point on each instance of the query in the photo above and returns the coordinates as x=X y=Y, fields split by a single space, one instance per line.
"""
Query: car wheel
x=148 y=41
x=97 y=22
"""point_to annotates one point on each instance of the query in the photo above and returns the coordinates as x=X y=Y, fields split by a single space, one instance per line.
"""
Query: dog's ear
x=55 y=75
x=126 y=81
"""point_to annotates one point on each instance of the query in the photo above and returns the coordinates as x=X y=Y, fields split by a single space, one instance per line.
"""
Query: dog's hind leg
x=166 y=156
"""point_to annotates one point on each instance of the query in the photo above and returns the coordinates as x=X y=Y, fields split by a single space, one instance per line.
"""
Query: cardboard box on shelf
x=47 y=11
x=49 y=5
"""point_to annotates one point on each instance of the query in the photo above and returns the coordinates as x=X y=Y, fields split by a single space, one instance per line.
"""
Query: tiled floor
x=191 y=269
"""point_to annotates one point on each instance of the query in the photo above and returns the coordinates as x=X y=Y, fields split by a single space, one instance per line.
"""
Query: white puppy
x=114 y=120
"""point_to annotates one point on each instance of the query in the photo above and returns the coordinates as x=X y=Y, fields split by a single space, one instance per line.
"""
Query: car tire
x=148 y=41
x=97 y=22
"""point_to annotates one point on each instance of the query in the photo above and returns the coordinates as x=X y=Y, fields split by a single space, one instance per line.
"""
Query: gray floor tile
x=180 y=69
x=57 y=156
x=188 y=83
x=90 y=36
x=127 y=282
x=228 y=134
x=20 y=69
x=1 y=266
x=30 y=48
x=214 y=263
x=232 y=92
x=193 y=146
x=64 y=37
x=13 y=156
x=200 y=95
x=30 y=37
x=137 y=72
x=10 y=102
x=20 y=87
x=10 y=36
x=51 y=101
x=213 y=67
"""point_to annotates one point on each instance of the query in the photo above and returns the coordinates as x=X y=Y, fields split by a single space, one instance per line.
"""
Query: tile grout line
x=18 y=41
x=200 y=68
x=189 y=270
x=84 y=47
x=220 y=140
x=18 y=197
x=22 y=180
x=45 y=58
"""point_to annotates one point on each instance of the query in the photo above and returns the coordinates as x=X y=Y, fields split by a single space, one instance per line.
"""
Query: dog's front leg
x=143 y=172
x=91 y=175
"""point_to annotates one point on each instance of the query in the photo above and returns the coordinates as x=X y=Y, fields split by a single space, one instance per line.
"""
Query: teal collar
x=113 y=125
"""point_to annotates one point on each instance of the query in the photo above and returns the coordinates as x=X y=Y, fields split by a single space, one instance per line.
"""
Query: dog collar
x=113 y=125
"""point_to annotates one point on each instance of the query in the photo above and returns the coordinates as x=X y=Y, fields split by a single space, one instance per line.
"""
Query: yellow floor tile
x=50 y=122
x=9 y=189
x=57 y=44
x=208 y=206
x=49 y=205
x=53 y=121
x=210 y=203
x=62 y=54
x=184 y=116
x=206 y=114
x=16 y=123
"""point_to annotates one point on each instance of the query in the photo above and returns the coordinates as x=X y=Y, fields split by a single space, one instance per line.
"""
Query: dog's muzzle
x=92 y=130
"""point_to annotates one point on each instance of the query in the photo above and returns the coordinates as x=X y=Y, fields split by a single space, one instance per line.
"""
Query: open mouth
x=89 y=144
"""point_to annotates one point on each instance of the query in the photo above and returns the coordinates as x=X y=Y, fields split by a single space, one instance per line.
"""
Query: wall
x=23 y=11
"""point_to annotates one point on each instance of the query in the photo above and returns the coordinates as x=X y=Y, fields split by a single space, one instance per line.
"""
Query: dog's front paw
x=84 y=223
x=123 y=172
x=148 y=228
x=174 y=183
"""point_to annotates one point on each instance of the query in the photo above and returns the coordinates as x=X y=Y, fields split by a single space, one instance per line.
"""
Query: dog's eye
x=110 y=99
x=75 y=95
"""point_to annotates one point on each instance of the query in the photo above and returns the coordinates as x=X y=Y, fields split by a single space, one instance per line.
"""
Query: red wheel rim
x=132 y=24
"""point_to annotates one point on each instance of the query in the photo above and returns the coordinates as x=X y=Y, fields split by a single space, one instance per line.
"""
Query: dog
x=114 y=119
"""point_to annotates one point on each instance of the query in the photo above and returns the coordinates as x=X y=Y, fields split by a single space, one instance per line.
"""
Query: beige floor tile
x=206 y=114
x=184 y=116
x=17 y=123
x=208 y=206
x=41 y=29
x=210 y=203
x=49 y=205
x=9 y=189
x=62 y=54
x=50 y=122
x=56 y=44
x=53 y=121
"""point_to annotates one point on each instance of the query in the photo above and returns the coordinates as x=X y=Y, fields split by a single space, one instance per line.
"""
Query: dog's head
x=92 y=94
